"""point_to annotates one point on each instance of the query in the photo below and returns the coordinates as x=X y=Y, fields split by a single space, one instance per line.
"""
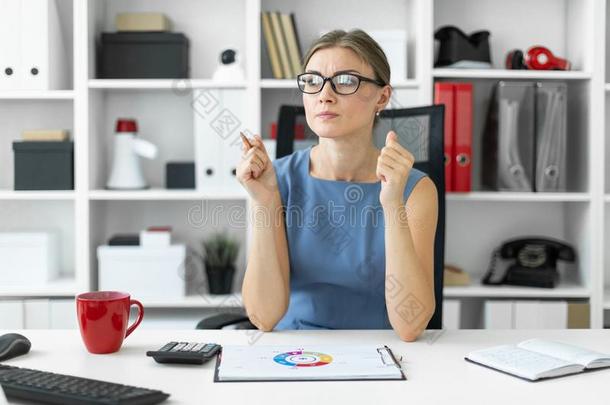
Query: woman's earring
x=377 y=113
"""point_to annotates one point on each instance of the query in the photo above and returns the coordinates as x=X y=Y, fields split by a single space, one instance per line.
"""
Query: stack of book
x=47 y=135
x=142 y=22
x=282 y=42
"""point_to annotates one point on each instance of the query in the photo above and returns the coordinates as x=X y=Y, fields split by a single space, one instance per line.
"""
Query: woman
x=343 y=233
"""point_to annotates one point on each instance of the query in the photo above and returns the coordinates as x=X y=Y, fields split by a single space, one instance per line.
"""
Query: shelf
x=63 y=287
x=291 y=84
x=509 y=196
x=509 y=74
x=606 y=298
x=36 y=195
x=37 y=95
x=507 y=291
x=607 y=87
x=607 y=198
x=178 y=85
x=198 y=301
x=164 y=194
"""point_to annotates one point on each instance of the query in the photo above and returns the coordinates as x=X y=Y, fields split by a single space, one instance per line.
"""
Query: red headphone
x=536 y=58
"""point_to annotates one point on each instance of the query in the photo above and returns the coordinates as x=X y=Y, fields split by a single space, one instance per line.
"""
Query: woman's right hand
x=255 y=171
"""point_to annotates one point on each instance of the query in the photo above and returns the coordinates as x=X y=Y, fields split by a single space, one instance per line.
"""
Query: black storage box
x=180 y=175
x=44 y=165
x=143 y=55
x=124 y=240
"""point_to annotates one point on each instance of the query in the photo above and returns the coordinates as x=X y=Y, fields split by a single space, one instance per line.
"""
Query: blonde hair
x=361 y=44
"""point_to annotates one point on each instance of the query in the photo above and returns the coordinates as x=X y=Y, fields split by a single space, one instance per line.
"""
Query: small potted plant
x=220 y=254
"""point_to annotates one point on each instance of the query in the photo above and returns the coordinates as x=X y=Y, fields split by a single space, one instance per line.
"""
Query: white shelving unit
x=508 y=74
x=208 y=301
x=36 y=195
x=480 y=291
x=477 y=221
x=164 y=194
x=37 y=95
x=62 y=287
x=508 y=196
x=484 y=219
x=604 y=148
x=158 y=84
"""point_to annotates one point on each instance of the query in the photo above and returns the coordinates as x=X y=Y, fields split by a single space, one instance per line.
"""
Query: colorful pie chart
x=300 y=358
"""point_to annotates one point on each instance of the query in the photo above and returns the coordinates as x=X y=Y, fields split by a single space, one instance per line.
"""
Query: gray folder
x=551 y=113
x=525 y=136
x=508 y=142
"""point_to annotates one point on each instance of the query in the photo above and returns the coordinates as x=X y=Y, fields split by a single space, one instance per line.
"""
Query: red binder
x=299 y=131
x=463 y=137
x=444 y=94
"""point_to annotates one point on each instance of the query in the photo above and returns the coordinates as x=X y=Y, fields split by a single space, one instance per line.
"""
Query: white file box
x=153 y=273
x=28 y=258
x=394 y=45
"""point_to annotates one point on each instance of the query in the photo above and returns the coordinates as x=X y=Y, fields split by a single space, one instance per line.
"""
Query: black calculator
x=185 y=352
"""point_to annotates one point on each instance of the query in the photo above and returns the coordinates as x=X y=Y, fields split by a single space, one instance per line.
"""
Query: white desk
x=434 y=365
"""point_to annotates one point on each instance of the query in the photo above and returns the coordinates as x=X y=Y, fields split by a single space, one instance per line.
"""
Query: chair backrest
x=421 y=131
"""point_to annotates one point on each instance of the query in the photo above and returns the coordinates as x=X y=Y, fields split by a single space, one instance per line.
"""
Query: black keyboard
x=51 y=388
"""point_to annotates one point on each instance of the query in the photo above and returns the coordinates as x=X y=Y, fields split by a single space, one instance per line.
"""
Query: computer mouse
x=13 y=345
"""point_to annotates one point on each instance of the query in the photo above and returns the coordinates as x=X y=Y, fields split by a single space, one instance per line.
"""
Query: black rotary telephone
x=533 y=262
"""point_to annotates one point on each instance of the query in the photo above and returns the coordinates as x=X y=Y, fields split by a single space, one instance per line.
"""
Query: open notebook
x=308 y=363
x=535 y=359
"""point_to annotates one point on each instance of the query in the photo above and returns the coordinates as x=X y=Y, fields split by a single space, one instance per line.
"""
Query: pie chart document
x=307 y=363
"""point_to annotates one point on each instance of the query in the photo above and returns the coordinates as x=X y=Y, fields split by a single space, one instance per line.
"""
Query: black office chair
x=421 y=131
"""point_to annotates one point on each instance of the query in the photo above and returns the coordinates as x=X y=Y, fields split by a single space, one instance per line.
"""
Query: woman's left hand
x=393 y=167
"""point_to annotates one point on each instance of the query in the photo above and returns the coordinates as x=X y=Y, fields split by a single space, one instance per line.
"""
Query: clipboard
x=386 y=356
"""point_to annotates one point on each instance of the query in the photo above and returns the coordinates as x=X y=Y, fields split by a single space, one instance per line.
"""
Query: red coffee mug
x=103 y=318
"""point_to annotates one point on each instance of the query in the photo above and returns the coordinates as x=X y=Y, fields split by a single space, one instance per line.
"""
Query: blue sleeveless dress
x=335 y=235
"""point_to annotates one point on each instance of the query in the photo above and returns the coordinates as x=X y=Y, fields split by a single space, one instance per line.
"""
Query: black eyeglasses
x=342 y=83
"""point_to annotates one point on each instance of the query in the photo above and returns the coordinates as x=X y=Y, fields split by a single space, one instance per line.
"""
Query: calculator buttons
x=178 y=347
x=188 y=347
x=207 y=348
x=168 y=346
